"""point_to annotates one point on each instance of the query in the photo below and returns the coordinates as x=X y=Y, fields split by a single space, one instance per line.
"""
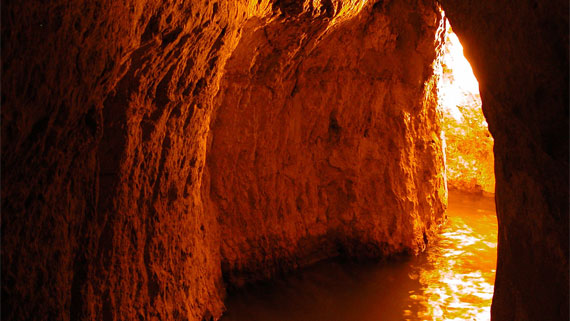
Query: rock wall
x=106 y=114
x=519 y=54
x=326 y=140
x=106 y=110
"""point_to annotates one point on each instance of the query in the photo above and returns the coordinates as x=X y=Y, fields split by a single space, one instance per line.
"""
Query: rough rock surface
x=326 y=140
x=105 y=113
x=519 y=54
x=106 y=116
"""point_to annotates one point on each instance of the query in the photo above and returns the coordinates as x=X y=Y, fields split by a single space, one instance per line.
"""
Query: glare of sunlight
x=460 y=81
x=468 y=143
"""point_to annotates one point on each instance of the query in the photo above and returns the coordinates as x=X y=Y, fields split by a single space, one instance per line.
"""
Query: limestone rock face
x=149 y=145
x=519 y=54
x=326 y=140
x=106 y=112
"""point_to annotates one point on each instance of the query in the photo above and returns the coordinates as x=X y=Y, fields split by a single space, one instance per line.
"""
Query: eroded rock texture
x=519 y=53
x=111 y=209
x=326 y=140
x=106 y=112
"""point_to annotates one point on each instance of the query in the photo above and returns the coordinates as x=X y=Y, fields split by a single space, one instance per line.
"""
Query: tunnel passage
x=106 y=113
x=453 y=278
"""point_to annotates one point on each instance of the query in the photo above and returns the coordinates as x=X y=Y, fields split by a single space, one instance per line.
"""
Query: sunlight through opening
x=469 y=145
x=461 y=285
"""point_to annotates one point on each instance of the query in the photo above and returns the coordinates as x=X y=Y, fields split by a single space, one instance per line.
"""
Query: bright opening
x=461 y=284
x=469 y=145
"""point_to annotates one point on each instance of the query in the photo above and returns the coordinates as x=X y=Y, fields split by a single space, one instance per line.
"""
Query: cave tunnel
x=452 y=279
x=155 y=154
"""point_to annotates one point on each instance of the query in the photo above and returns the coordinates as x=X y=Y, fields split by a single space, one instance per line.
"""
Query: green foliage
x=469 y=149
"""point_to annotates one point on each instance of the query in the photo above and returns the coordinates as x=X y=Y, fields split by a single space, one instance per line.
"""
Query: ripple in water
x=452 y=280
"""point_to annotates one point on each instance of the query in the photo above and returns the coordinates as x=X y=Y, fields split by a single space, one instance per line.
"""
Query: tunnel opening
x=464 y=283
x=467 y=142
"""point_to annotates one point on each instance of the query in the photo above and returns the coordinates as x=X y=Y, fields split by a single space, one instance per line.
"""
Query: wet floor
x=452 y=280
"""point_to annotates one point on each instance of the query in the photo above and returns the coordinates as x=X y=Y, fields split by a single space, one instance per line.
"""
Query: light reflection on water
x=452 y=280
x=457 y=273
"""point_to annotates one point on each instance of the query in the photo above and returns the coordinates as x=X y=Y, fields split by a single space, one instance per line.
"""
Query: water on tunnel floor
x=452 y=280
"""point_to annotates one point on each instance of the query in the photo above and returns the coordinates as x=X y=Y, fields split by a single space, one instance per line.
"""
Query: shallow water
x=452 y=280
